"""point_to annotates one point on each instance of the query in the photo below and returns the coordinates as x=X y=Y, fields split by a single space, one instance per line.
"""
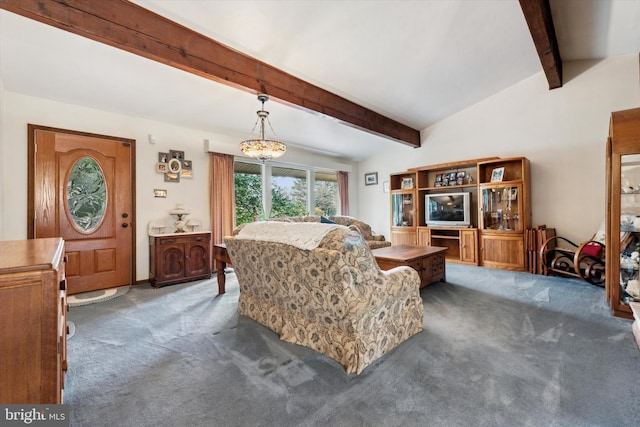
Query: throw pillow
x=325 y=220
x=592 y=249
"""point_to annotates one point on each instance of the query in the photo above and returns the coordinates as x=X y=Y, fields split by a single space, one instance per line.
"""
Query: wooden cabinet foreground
x=33 y=357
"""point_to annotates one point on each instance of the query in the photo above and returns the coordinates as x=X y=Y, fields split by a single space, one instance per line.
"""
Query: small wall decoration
x=173 y=165
x=175 y=154
x=407 y=183
x=172 y=177
x=386 y=186
x=159 y=192
x=371 y=178
x=497 y=174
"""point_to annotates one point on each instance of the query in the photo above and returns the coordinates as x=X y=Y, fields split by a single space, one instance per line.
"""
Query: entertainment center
x=478 y=209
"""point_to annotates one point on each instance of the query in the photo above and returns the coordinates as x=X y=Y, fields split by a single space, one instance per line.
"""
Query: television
x=448 y=210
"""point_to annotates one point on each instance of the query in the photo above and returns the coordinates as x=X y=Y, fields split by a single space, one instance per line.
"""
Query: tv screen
x=447 y=209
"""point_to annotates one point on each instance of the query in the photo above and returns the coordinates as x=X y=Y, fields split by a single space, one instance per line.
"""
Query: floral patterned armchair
x=318 y=285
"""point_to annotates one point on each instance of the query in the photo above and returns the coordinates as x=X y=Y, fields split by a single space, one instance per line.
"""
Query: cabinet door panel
x=503 y=252
x=468 y=244
x=197 y=259
x=171 y=262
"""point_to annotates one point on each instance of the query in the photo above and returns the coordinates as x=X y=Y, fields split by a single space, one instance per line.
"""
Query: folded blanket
x=303 y=235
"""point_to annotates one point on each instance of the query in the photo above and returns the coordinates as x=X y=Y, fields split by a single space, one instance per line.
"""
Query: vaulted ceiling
x=405 y=64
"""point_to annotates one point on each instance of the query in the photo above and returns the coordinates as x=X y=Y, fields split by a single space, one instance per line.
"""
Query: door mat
x=94 y=297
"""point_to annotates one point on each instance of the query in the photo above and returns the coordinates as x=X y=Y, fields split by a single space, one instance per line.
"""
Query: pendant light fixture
x=261 y=148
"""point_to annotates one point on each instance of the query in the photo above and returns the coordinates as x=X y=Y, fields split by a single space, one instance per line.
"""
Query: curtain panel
x=222 y=200
x=343 y=192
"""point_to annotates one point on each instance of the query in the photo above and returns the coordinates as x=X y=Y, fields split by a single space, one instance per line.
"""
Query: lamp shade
x=261 y=147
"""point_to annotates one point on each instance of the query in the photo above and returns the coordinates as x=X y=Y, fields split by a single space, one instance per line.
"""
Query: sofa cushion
x=303 y=235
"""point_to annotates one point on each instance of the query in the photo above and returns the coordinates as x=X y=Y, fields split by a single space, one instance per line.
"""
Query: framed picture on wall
x=172 y=177
x=175 y=166
x=371 y=178
x=175 y=154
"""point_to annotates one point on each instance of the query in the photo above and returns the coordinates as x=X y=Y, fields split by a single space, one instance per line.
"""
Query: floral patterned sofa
x=374 y=241
x=318 y=285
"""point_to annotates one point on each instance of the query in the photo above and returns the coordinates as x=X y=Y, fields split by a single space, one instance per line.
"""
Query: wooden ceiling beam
x=127 y=26
x=538 y=16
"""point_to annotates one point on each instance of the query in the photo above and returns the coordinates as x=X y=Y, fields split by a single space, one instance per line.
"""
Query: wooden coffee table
x=428 y=261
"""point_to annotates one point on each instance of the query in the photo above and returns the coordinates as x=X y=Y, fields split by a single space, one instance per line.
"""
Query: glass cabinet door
x=403 y=208
x=501 y=208
x=629 y=228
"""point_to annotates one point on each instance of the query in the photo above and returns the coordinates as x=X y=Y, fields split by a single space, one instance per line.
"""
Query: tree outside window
x=289 y=192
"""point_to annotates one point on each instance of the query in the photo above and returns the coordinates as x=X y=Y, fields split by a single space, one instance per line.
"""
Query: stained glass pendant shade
x=262 y=148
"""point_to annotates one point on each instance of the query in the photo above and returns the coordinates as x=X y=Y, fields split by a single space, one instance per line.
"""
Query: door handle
x=125 y=225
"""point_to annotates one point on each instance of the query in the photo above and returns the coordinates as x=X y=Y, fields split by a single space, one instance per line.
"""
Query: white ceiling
x=416 y=62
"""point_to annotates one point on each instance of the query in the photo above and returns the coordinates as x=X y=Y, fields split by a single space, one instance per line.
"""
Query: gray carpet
x=498 y=349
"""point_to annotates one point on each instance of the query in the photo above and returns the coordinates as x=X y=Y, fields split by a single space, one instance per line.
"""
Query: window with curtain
x=326 y=193
x=289 y=195
x=294 y=191
x=247 y=178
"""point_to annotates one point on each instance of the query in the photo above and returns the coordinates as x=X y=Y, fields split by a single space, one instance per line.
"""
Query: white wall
x=563 y=132
x=20 y=110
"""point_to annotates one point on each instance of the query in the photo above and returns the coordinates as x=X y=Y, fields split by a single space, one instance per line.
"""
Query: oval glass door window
x=86 y=194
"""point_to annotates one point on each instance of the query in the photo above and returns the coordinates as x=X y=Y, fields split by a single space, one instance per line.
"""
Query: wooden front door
x=81 y=189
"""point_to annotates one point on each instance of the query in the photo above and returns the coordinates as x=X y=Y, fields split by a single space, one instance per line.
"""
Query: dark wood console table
x=222 y=259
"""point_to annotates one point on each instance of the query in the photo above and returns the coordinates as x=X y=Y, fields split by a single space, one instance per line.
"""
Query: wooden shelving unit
x=623 y=208
x=483 y=243
x=503 y=212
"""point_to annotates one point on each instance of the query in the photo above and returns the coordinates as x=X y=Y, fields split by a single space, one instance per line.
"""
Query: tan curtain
x=222 y=205
x=343 y=192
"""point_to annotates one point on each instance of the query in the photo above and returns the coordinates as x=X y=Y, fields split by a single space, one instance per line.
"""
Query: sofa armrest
x=392 y=286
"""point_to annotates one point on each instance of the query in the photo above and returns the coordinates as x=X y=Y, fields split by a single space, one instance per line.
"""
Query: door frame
x=31 y=160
